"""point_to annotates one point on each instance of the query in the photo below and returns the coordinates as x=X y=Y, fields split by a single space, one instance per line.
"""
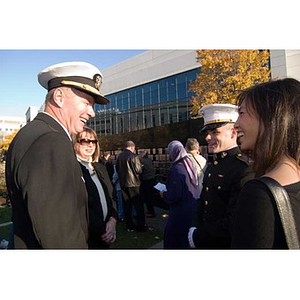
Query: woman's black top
x=257 y=224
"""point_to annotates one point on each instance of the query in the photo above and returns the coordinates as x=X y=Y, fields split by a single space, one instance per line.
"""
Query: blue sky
x=19 y=87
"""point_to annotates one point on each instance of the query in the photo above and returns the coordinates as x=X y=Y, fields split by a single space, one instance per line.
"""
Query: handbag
x=285 y=211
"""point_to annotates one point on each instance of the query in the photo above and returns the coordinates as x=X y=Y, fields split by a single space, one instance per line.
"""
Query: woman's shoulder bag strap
x=285 y=211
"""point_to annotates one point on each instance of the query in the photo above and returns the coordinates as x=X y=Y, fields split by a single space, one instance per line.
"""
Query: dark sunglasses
x=86 y=142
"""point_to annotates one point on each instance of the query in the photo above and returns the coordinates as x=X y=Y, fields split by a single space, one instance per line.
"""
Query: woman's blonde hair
x=75 y=138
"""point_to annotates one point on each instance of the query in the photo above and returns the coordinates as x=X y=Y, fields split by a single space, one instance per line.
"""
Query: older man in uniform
x=222 y=181
x=44 y=179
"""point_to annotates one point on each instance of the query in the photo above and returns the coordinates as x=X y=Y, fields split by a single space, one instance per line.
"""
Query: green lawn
x=125 y=240
x=5 y=216
x=136 y=240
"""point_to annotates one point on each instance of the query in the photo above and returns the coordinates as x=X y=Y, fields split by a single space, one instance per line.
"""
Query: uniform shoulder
x=243 y=158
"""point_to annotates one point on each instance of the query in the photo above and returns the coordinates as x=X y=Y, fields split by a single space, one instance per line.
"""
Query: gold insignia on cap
x=219 y=121
x=82 y=86
x=98 y=81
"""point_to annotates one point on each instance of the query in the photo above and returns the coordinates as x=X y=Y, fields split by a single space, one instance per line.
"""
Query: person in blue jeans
x=117 y=186
x=3 y=243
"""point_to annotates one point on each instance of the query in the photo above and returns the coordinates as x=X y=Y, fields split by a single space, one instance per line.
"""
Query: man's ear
x=233 y=132
x=58 y=97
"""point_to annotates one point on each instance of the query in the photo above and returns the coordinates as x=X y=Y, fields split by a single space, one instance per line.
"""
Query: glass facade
x=156 y=103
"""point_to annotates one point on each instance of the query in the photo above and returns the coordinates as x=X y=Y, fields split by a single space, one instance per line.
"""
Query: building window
x=145 y=106
x=153 y=121
x=162 y=119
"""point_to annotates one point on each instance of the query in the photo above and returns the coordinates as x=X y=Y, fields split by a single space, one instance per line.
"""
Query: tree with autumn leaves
x=4 y=145
x=225 y=73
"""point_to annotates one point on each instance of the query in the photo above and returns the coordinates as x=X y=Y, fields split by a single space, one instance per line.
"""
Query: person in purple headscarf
x=181 y=195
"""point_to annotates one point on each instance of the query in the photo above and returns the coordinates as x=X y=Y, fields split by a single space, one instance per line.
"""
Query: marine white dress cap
x=80 y=75
x=217 y=115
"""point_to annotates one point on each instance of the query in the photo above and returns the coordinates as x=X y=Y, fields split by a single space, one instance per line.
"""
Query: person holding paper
x=181 y=195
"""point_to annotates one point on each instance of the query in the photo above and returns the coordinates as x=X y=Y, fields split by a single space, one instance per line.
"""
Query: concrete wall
x=146 y=67
x=285 y=63
x=155 y=64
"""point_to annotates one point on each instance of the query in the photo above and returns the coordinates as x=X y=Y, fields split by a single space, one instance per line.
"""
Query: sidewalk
x=158 y=223
x=158 y=246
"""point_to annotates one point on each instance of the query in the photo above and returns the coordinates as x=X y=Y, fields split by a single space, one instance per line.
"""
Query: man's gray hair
x=192 y=144
x=129 y=144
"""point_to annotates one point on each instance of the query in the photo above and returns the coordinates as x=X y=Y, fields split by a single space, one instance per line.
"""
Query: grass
x=2 y=179
x=136 y=240
x=125 y=240
x=5 y=216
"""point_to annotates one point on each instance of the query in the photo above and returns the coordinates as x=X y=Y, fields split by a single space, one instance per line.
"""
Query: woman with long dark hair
x=269 y=127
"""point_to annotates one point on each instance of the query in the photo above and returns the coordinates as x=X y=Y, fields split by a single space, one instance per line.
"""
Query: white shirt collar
x=65 y=129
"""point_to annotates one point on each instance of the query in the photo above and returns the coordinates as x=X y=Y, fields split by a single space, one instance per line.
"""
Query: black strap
x=285 y=211
x=197 y=161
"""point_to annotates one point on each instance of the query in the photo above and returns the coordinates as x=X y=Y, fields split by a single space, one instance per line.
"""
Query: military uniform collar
x=230 y=152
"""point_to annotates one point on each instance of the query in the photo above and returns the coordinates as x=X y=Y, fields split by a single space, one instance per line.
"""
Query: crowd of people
x=64 y=195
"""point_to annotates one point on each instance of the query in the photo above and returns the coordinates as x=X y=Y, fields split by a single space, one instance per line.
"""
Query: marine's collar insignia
x=224 y=154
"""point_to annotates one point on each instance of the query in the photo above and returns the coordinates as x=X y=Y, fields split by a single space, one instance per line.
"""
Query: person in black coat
x=44 y=179
x=223 y=179
x=102 y=215
x=107 y=162
x=148 y=181
x=129 y=168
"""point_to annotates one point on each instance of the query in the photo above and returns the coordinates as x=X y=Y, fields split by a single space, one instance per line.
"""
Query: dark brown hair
x=276 y=104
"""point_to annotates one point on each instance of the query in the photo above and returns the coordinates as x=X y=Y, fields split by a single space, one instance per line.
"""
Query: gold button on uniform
x=215 y=162
x=206 y=188
x=219 y=187
x=206 y=203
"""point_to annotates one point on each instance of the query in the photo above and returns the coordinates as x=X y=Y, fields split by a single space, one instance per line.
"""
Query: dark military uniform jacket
x=46 y=188
x=222 y=183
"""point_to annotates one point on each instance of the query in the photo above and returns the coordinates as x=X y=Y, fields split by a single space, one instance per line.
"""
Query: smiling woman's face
x=247 y=126
x=86 y=146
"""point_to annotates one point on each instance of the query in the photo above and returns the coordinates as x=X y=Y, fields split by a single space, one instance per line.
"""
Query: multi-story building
x=148 y=90
x=152 y=88
x=10 y=124
x=31 y=113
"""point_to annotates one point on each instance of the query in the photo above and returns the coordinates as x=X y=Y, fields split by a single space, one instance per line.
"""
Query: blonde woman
x=102 y=215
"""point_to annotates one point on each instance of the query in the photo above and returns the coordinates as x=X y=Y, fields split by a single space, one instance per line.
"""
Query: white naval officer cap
x=217 y=115
x=80 y=75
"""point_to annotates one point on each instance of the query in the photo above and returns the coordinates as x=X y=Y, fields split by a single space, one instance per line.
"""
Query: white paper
x=161 y=187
